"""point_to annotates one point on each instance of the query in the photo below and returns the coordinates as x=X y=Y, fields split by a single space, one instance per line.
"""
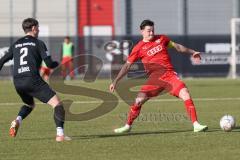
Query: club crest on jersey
x=154 y=50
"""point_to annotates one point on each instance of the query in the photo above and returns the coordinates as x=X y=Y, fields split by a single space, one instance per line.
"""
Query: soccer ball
x=227 y=123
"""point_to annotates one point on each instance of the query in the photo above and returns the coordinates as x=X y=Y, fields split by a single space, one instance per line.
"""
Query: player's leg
x=64 y=72
x=63 y=68
x=136 y=107
x=24 y=111
x=71 y=69
x=46 y=95
x=59 y=118
x=191 y=110
x=133 y=112
x=178 y=88
x=189 y=105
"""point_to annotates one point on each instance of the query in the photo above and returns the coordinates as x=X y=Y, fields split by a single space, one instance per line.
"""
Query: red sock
x=133 y=113
x=191 y=110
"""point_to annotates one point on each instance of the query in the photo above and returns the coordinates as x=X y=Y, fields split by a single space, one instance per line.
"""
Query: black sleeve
x=46 y=56
x=6 y=57
x=43 y=50
x=73 y=50
x=50 y=63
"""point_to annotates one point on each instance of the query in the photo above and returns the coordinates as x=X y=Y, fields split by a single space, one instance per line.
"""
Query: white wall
x=210 y=16
x=204 y=16
x=51 y=13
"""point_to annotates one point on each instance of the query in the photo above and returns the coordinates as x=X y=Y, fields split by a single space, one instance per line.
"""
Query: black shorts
x=33 y=87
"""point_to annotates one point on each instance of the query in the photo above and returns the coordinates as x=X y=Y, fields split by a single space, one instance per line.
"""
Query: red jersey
x=154 y=54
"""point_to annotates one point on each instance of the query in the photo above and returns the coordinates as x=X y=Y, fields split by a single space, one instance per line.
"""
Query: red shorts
x=66 y=61
x=168 y=82
x=45 y=70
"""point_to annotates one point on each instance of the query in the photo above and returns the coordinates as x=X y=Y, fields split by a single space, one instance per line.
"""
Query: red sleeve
x=133 y=55
x=165 y=39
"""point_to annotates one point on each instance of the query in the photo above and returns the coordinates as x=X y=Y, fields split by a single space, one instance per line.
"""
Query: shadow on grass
x=127 y=134
x=96 y=136
x=236 y=129
x=110 y=135
x=138 y=134
x=214 y=130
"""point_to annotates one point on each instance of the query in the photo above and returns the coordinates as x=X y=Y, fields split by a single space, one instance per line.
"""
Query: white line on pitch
x=152 y=100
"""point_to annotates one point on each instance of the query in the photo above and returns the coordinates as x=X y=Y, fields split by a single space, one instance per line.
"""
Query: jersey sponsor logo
x=154 y=50
x=23 y=69
x=24 y=44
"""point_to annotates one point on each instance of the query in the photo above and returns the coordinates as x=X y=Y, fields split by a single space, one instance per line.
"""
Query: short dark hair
x=67 y=37
x=28 y=23
x=146 y=22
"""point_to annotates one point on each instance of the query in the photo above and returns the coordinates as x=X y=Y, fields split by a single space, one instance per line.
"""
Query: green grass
x=161 y=138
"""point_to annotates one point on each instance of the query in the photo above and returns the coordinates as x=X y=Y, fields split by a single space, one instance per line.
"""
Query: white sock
x=60 y=131
x=19 y=118
x=127 y=125
x=195 y=123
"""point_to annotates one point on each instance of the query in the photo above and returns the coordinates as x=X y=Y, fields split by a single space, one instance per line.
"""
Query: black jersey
x=28 y=53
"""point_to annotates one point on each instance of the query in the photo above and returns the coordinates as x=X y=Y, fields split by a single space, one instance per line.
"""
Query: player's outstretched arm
x=50 y=63
x=5 y=58
x=182 y=49
x=124 y=70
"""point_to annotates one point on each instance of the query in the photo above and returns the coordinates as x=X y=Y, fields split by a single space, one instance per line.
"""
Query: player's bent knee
x=54 y=101
x=184 y=94
x=140 y=100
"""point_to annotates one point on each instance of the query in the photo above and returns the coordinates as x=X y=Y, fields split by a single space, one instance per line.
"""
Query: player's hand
x=196 y=57
x=112 y=87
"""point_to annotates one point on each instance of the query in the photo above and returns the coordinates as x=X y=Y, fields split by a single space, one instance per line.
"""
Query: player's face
x=66 y=40
x=147 y=33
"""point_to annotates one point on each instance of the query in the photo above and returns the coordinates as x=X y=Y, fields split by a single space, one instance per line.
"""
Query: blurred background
x=107 y=29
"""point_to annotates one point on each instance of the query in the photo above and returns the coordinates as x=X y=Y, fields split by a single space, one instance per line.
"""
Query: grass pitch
x=161 y=132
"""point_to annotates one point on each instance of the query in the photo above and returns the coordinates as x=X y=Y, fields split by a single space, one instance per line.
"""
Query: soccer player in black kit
x=28 y=53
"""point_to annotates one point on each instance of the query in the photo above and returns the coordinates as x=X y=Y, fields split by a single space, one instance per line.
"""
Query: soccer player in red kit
x=152 y=51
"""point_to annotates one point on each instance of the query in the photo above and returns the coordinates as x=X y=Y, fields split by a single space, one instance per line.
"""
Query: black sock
x=59 y=115
x=25 y=111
